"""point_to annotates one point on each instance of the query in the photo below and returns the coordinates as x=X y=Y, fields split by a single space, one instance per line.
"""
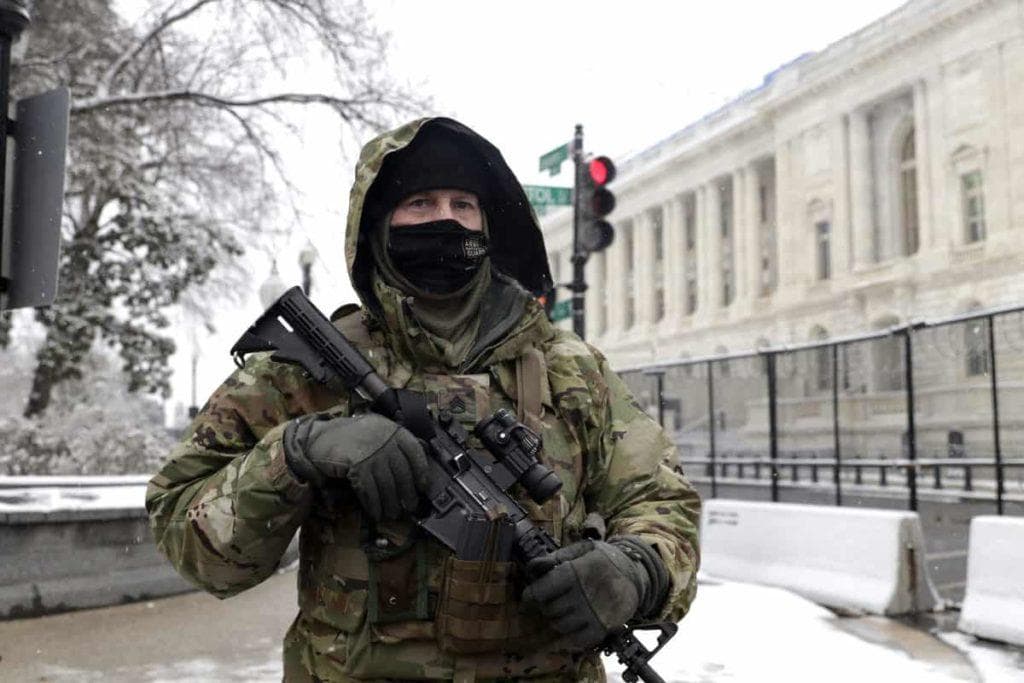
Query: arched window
x=908 y=194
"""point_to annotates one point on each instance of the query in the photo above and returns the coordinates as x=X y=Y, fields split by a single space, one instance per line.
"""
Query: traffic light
x=596 y=202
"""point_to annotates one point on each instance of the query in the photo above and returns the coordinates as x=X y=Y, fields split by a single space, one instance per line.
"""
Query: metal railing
x=933 y=406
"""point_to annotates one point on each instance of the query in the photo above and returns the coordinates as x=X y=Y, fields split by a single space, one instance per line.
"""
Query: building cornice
x=806 y=77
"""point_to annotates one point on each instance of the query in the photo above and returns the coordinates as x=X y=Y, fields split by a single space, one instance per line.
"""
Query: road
x=735 y=632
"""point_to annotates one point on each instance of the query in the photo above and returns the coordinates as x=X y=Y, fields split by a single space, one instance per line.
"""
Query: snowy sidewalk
x=741 y=632
x=735 y=632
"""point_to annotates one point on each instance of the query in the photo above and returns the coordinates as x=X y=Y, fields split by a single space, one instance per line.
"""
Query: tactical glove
x=591 y=588
x=385 y=464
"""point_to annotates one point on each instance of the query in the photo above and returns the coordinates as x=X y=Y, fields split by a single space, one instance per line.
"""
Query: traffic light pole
x=578 y=286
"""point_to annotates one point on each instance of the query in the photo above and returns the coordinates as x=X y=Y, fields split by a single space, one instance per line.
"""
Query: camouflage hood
x=517 y=246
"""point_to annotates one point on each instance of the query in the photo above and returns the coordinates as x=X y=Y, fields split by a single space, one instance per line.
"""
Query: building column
x=712 y=250
x=701 y=248
x=862 y=234
x=752 y=263
x=789 y=272
x=616 y=255
x=740 y=230
x=643 y=248
x=675 y=255
x=842 y=253
x=922 y=152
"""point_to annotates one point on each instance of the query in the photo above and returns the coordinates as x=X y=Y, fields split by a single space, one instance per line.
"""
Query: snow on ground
x=997 y=663
x=110 y=493
x=735 y=632
x=739 y=632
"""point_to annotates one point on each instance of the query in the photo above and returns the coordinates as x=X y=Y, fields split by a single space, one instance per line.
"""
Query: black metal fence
x=927 y=408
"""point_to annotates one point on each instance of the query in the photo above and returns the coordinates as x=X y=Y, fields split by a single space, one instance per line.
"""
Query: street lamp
x=272 y=288
x=306 y=258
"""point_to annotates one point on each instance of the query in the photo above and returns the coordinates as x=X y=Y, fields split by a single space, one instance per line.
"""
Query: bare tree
x=173 y=163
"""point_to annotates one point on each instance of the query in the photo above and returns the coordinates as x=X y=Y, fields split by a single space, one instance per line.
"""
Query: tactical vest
x=401 y=600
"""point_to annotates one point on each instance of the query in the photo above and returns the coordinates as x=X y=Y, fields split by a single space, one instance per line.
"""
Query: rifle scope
x=518 y=447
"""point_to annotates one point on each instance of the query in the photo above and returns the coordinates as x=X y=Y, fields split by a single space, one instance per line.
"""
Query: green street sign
x=562 y=310
x=552 y=161
x=544 y=195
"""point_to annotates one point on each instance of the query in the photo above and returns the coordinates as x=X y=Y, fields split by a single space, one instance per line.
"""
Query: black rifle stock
x=471 y=510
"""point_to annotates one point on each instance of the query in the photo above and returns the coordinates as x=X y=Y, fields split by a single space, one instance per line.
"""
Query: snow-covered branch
x=166 y=21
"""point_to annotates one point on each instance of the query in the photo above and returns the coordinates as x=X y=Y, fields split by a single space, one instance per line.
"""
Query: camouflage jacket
x=383 y=602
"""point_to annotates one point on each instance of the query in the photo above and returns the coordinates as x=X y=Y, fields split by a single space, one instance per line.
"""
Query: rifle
x=471 y=511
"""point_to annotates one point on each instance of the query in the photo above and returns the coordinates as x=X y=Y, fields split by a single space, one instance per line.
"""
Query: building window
x=658 y=235
x=726 y=218
x=908 y=194
x=690 y=260
x=823 y=236
x=630 y=282
x=972 y=192
x=976 y=344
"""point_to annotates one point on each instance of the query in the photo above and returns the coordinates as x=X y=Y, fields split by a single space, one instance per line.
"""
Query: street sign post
x=545 y=195
x=552 y=161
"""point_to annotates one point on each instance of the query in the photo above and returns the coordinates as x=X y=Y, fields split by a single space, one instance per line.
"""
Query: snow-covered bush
x=93 y=426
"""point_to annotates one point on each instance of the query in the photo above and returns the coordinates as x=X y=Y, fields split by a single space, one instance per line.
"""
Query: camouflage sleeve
x=224 y=507
x=630 y=482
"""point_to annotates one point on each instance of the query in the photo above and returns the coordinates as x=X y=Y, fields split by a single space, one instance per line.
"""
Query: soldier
x=444 y=253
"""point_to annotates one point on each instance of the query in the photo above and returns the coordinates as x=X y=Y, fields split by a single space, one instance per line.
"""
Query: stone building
x=877 y=182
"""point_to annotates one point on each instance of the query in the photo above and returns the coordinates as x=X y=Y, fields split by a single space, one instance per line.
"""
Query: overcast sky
x=523 y=74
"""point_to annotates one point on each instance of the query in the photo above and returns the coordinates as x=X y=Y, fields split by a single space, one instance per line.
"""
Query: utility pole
x=590 y=231
x=578 y=286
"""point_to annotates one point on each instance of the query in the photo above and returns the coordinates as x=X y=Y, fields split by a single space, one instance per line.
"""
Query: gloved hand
x=385 y=464
x=591 y=588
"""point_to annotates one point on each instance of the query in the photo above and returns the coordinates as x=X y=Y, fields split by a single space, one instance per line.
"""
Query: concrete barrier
x=77 y=544
x=73 y=543
x=994 y=600
x=868 y=561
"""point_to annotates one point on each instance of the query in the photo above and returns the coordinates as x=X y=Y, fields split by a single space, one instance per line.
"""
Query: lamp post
x=306 y=258
x=272 y=288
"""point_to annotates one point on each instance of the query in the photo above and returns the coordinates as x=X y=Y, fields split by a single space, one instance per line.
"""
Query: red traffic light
x=601 y=170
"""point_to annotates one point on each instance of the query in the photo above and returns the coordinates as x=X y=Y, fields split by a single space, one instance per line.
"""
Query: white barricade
x=861 y=560
x=994 y=601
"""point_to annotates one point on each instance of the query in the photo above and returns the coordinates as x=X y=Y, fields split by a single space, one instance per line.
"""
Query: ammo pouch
x=476 y=612
x=397 y=588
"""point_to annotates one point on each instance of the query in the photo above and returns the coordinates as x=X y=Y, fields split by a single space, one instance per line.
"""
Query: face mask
x=439 y=257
